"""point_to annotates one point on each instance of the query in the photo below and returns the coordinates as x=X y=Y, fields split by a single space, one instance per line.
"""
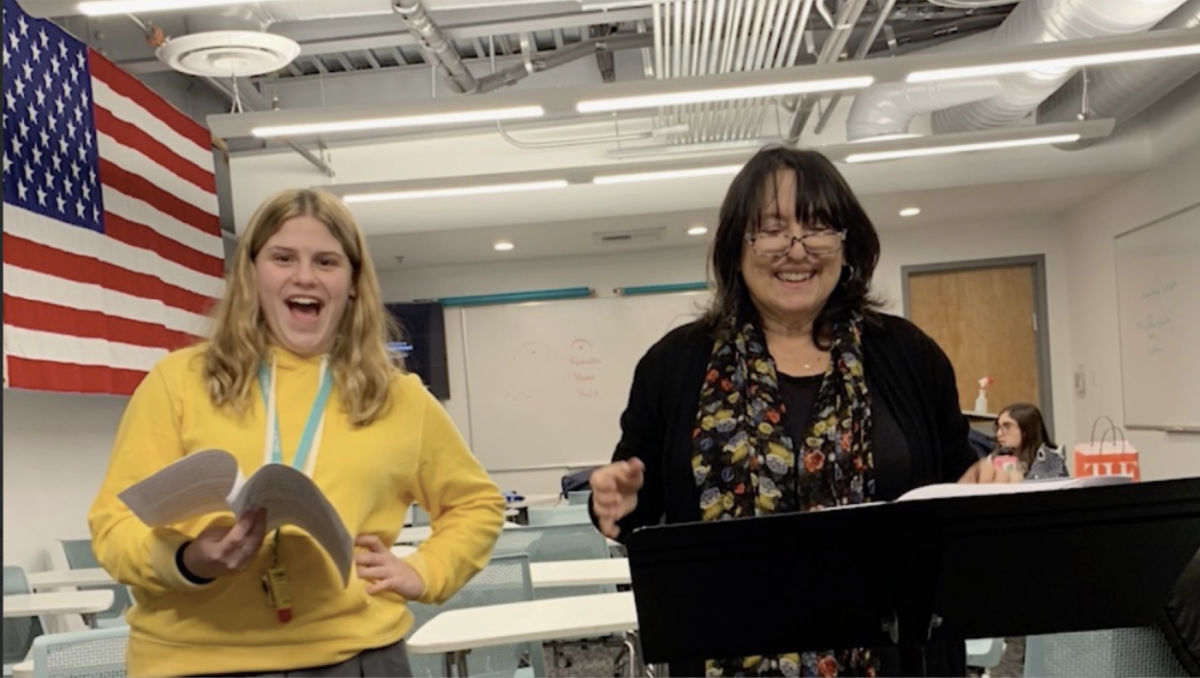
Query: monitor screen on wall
x=423 y=343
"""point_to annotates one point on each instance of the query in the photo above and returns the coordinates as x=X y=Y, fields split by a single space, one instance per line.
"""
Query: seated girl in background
x=1021 y=432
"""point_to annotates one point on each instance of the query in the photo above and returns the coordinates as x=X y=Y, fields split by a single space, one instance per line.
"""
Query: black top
x=889 y=449
x=913 y=392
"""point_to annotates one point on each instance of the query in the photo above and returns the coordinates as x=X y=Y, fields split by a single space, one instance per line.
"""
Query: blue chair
x=504 y=580
x=557 y=542
x=80 y=555
x=1119 y=653
x=579 y=497
x=19 y=632
x=420 y=516
x=572 y=514
x=96 y=653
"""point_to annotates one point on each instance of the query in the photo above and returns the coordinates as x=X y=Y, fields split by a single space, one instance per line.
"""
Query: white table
x=590 y=572
x=55 y=579
x=454 y=632
x=419 y=533
x=85 y=603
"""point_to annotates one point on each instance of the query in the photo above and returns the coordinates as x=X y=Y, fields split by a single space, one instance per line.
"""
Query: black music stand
x=912 y=573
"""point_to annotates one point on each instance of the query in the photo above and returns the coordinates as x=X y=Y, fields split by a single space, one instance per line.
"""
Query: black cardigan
x=903 y=366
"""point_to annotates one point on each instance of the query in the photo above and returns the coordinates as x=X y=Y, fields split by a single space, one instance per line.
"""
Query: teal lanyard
x=266 y=380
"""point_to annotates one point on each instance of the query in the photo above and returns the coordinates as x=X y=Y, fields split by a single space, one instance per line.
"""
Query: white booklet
x=943 y=490
x=210 y=482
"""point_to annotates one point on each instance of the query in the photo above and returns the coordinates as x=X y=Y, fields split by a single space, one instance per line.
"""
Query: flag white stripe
x=23 y=283
x=128 y=110
x=136 y=163
x=64 y=348
x=142 y=212
x=84 y=242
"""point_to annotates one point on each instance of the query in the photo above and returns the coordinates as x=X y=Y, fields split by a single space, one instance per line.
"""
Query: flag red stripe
x=132 y=136
x=129 y=87
x=140 y=188
x=144 y=237
x=43 y=259
x=43 y=317
x=41 y=375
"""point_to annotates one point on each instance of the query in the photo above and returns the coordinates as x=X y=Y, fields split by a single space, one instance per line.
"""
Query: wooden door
x=984 y=319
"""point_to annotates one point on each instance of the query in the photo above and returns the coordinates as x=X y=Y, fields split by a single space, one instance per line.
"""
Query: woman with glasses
x=1022 y=433
x=794 y=393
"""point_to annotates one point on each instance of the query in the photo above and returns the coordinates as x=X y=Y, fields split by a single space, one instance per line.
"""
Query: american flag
x=112 y=244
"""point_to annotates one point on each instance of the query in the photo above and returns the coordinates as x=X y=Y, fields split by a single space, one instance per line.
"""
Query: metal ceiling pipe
x=1122 y=91
x=438 y=50
x=831 y=51
x=224 y=18
x=546 y=60
x=1039 y=21
x=859 y=54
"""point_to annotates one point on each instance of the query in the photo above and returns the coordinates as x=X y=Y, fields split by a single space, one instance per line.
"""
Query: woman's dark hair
x=1033 y=430
x=822 y=197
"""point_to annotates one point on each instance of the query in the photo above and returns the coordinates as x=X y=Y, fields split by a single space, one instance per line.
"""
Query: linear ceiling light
x=1096 y=59
x=487 y=115
x=961 y=148
x=455 y=191
x=666 y=174
x=105 y=8
x=702 y=96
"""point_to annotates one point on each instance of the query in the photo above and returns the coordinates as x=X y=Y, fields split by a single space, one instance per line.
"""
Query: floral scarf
x=744 y=460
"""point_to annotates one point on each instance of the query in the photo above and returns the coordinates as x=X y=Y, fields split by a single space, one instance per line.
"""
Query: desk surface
x=533 y=620
x=53 y=579
x=591 y=572
x=63 y=602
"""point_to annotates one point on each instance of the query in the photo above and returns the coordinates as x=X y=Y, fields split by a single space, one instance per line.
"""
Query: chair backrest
x=504 y=580
x=1120 y=653
x=19 y=632
x=571 y=514
x=551 y=543
x=579 y=497
x=81 y=654
x=80 y=556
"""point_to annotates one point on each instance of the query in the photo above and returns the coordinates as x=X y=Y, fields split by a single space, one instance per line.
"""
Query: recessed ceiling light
x=910 y=211
x=503 y=246
x=697 y=230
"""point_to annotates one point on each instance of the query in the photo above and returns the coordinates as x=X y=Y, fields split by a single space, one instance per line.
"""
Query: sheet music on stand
x=916 y=572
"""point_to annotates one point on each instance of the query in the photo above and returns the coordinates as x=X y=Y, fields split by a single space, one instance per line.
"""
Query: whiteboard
x=1158 y=296
x=547 y=381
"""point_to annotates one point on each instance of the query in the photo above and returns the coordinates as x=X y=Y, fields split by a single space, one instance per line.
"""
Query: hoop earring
x=853 y=273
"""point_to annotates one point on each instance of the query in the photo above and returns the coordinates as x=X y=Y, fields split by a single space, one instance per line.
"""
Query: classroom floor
x=594 y=660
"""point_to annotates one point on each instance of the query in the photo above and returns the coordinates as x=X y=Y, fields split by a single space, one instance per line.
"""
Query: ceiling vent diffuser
x=223 y=54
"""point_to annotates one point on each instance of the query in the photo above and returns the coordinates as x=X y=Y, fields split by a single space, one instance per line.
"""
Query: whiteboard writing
x=547 y=382
x=1158 y=297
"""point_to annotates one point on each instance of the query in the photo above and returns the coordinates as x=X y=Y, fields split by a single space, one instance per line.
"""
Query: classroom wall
x=56 y=449
x=960 y=243
x=900 y=247
x=1092 y=292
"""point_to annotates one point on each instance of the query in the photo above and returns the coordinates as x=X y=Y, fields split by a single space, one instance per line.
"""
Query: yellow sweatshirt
x=371 y=475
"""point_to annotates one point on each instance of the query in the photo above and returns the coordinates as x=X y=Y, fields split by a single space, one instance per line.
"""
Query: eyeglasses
x=1006 y=426
x=777 y=243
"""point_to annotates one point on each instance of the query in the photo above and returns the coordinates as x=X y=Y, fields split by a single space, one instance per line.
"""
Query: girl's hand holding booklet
x=211 y=482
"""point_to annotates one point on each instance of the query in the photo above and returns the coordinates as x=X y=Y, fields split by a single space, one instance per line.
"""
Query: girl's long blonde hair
x=359 y=360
